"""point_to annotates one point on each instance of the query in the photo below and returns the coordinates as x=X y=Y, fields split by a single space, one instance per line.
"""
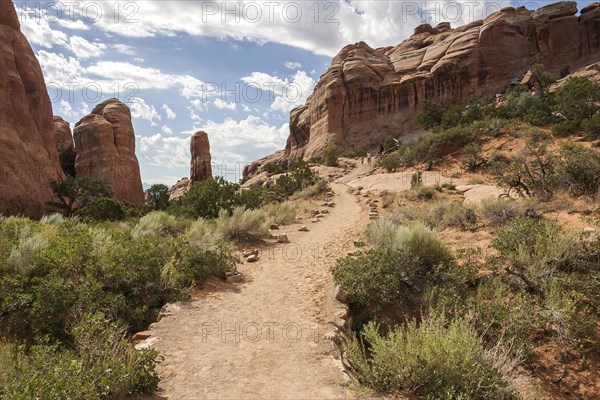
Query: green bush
x=157 y=198
x=499 y=211
x=281 y=213
x=530 y=172
x=577 y=100
x=330 y=155
x=381 y=277
x=101 y=364
x=206 y=198
x=107 y=209
x=415 y=240
x=569 y=316
x=472 y=158
x=157 y=223
x=592 y=125
x=312 y=191
x=243 y=224
x=534 y=250
x=579 y=169
x=436 y=359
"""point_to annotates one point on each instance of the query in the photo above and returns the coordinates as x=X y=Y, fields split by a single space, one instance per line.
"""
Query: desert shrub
x=532 y=107
x=569 y=317
x=534 y=250
x=53 y=219
x=157 y=223
x=579 y=169
x=423 y=192
x=157 y=198
x=453 y=214
x=391 y=162
x=101 y=364
x=592 y=125
x=206 y=198
x=251 y=197
x=273 y=168
x=298 y=177
x=330 y=155
x=499 y=314
x=243 y=224
x=204 y=233
x=577 y=101
x=381 y=277
x=312 y=191
x=107 y=209
x=499 y=211
x=436 y=359
x=281 y=213
x=472 y=158
x=415 y=240
x=192 y=263
x=530 y=172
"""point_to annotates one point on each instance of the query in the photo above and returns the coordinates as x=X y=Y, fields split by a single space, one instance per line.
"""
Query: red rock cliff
x=368 y=95
x=28 y=156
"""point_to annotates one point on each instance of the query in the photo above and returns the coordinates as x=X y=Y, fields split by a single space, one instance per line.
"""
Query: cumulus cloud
x=84 y=49
x=141 y=110
x=166 y=129
x=223 y=105
x=166 y=152
x=285 y=94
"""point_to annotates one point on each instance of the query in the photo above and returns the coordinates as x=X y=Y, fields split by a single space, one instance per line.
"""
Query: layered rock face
x=200 y=166
x=105 y=146
x=180 y=188
x=28 y=156
x=64 y=145
x=368 y=95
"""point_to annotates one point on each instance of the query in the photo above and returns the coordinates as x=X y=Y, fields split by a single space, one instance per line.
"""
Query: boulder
x=28 y=156
x=200 y=166
x=105 y=147
x=282 y=239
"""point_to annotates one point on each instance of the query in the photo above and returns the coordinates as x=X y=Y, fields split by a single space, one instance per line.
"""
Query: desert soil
x=263 y=338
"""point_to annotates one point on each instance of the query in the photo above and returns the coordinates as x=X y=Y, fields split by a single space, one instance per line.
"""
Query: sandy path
x=263 y=338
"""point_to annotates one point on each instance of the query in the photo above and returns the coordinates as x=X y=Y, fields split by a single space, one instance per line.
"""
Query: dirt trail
x=263 y=338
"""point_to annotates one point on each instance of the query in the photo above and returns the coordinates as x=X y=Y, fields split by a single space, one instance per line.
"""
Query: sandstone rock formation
x=368 y=95
x=180 y=188
x=64 y=145
x=200 y=166
x=105 y=146
x=28 y=156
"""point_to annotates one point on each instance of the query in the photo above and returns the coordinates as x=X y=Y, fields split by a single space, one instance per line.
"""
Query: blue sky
x=233 y=69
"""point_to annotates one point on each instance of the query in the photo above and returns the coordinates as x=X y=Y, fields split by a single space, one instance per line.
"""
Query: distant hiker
x=362 y=160
x=369 y=158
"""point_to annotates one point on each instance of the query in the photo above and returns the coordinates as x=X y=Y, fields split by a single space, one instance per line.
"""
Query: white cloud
x=124 y=49
x=285 y=94
x=166 y=152
x=38 y=30
x=223 y=105
x=292 y=65
x=323 y=29
x=141 y=110
x=170 y=113
x=166 y=129
x=73 y=24
x=84 y=49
